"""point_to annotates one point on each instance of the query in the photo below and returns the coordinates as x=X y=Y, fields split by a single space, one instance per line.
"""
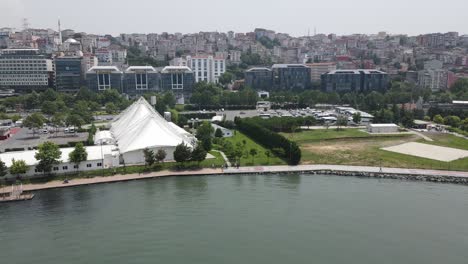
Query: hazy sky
x=289 y=16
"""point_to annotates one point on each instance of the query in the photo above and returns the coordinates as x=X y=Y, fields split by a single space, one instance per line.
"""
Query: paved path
x=109 y=179
x=224 y=157
x=300 y=168
x=241 y=170
x=421 y=135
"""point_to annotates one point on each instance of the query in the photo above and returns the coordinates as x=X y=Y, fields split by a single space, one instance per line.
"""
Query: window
x=141 y=82
x=56 y=168
x=65 y=168
x=89 y=165
x=177 y=80
x=104 y=81
x=75 y=166
x=99 y=164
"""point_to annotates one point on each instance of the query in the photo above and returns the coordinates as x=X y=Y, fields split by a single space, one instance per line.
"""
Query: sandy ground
x=429 y=151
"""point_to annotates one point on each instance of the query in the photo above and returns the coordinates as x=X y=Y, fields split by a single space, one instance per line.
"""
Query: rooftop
x=357 y=71
x=168 y=69
x=383 y=125
x=94 y=153
x=258 y=69
x=104 y=68
x=288 y=65
x=140 y=68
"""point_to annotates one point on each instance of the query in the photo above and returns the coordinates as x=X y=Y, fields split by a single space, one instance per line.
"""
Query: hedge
x=280 y=145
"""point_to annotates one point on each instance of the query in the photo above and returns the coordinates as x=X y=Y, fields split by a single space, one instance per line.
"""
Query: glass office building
x=68 y=74
x=354 y=81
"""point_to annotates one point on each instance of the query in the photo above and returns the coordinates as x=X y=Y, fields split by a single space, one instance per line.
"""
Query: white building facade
x=206 y=67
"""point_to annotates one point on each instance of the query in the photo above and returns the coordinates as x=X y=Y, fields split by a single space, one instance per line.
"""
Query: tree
x=160 y=155
x=204 y=132
x=219 y=133
x=198 y=154
x=48 y=155
x=34 y=121
x=357 y=118
x=74 y=120
x=268 y=155
x=3 y=169
x=453 y=121
x=18 y=167
x=182 y=153
x=341 y=121
x=78 y=155
x=150 y=158
x=111 y=108
x=438 y=119
x=253 y=152
x=49 y=108
x=226 y=78
x=57 y=121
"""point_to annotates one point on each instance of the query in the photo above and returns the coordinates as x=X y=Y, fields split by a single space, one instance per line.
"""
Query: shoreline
x=454 y=177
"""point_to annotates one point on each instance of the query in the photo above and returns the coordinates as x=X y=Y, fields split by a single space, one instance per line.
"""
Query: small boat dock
x=16 y=195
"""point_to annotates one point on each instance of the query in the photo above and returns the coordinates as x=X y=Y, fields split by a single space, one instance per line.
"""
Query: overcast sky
x=289 y=16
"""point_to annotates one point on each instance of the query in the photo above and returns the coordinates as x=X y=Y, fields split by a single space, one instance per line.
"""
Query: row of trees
x=209 y=95
x=82 y=104
x=184 y=153
x=279 y=144
x=453 y=121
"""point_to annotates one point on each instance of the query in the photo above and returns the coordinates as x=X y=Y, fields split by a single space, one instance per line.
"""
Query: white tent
x=140 y=127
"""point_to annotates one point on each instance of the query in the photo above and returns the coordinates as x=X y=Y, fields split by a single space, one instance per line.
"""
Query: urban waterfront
x=241 y=219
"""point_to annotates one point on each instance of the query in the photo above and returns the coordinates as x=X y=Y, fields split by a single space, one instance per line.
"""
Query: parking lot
x=24 y=138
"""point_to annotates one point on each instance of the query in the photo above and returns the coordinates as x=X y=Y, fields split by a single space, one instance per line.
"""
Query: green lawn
x=446 y=140
x=260 y=158
x=309 y=136
x=354 y=147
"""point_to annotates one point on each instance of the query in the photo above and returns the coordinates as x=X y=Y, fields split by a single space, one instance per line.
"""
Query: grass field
x=354 y=147
x=446 y=140
x=260 y=158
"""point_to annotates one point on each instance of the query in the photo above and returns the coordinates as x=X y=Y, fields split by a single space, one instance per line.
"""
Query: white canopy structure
x=139 y=127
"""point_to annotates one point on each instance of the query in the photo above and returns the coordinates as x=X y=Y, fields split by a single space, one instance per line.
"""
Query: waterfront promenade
x=333 y=169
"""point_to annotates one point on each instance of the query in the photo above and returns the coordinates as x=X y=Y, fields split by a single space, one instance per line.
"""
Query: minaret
x=60 y=32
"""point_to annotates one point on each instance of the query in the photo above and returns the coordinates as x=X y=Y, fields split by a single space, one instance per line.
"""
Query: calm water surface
x=240 y=219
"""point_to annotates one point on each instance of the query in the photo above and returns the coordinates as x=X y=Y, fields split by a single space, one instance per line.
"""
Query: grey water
x=240 y=219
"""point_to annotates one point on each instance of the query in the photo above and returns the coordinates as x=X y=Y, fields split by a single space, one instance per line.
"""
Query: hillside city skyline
x=295 y=17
